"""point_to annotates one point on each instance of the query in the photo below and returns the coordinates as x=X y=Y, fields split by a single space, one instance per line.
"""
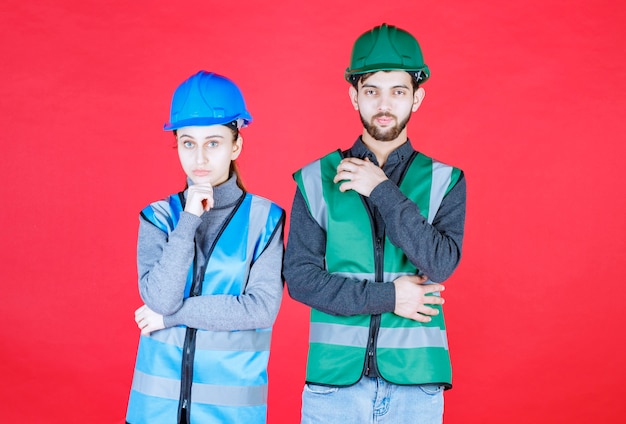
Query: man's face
x=385 y=101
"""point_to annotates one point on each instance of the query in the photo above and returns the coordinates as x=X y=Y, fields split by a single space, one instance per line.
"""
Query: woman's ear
x=237 y=147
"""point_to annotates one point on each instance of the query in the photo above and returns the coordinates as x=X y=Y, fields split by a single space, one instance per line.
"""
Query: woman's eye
x=213 y=144
x=187 y=144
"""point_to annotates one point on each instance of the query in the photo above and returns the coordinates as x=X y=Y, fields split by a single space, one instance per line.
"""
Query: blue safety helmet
x=207 y=98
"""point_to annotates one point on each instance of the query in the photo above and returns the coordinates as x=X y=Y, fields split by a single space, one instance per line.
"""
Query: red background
x=527 y=97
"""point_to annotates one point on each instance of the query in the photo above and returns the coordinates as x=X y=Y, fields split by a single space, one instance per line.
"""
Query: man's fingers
x=433 y=288
x=346 y=169
x=422 y=314
x=433 y=300
x=426 y=310
x=416 y=316
x=350 y=162
x=421 y=318
x=342 y=176
x=345 y=187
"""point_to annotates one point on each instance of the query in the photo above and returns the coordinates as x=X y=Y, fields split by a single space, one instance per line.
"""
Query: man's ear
x=418 y=97
x=353 y=97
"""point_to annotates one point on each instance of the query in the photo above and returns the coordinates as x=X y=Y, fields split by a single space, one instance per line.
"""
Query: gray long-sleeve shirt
x=434 y=249
x=163 y=264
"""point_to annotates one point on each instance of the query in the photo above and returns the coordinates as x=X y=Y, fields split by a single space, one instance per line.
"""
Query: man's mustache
x=384 y=114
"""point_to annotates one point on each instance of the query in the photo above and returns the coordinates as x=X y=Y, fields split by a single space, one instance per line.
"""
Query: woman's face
x=205 y=152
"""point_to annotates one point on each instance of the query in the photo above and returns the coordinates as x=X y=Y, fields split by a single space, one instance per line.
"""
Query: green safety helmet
x=387 y=48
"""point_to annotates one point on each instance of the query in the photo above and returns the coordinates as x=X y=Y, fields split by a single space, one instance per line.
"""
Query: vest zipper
x=378 y=260
x=189 y=351
x=370 y=360
x=371 y=347
x=375 y=321
x=379 y=276
x=187 y=375
x=189 y=347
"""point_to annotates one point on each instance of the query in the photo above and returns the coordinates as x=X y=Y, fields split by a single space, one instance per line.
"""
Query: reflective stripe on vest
x=230 y=367
x=337 y=345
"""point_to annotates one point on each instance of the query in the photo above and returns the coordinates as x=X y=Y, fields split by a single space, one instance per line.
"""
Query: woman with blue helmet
x=209 y=263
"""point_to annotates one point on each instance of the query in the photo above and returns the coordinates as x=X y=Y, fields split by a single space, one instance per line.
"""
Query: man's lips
x=384 y=119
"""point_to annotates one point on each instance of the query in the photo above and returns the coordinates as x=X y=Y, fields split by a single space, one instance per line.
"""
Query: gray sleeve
x=163 y=263
x=434 y=249
x=257 y=307
x=309 y=282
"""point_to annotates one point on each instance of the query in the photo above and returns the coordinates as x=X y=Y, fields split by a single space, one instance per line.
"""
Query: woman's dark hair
x=234 y=169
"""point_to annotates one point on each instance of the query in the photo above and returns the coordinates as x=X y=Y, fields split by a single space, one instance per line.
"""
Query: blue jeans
x=372 y=400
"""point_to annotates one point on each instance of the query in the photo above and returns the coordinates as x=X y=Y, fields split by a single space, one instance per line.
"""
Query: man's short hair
x=416 y=78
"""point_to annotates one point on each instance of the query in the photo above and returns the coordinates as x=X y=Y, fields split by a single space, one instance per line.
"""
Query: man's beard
x=387 y=134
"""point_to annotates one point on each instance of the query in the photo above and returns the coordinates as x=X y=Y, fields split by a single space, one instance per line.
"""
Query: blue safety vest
x=211 y=376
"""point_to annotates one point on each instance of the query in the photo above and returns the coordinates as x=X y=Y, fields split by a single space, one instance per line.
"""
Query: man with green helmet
x=375 y=230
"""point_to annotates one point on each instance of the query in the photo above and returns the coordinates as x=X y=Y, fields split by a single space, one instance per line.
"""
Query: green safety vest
x=407 y=351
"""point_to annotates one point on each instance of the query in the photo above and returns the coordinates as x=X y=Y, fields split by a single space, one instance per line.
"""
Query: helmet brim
x=425 y=72
x=205 y=122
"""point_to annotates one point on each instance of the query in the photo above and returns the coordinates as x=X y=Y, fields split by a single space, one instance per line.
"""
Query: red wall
x=526 y=97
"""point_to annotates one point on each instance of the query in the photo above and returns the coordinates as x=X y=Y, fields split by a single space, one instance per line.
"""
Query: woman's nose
x=201 y=156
